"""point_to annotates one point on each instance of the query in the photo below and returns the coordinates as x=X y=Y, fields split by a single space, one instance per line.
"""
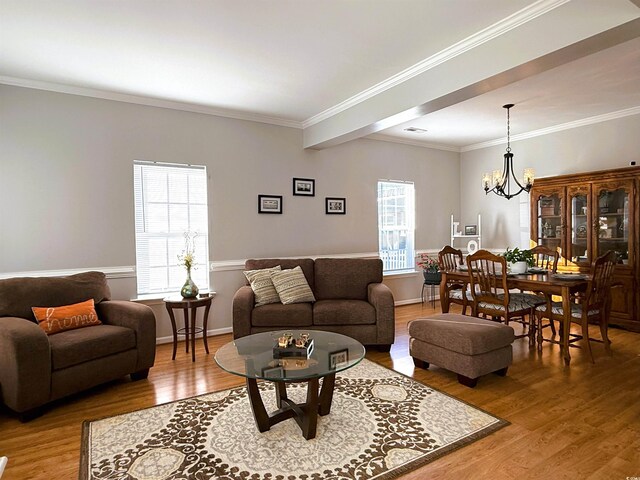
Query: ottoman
x=468 y=346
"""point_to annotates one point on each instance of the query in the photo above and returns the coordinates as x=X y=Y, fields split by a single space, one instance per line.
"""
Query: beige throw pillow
x=262 y=285
x=292 y=286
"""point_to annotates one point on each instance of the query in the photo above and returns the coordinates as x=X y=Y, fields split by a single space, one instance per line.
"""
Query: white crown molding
x=148 y=101
x=415 y=143
x=499 y=28
x=556 y=128
x=128 y=271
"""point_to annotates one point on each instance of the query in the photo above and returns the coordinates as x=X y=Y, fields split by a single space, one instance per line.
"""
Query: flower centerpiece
x=430 y=268
x=187 y=259
x=519 y=260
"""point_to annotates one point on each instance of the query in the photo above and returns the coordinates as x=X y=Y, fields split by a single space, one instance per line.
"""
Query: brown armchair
x=36 y=368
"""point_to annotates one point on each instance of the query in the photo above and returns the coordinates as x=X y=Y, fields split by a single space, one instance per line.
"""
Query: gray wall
x=611 y=144
x=66 y=189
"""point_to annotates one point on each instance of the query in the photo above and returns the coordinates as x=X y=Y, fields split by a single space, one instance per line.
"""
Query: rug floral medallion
x=382 y=424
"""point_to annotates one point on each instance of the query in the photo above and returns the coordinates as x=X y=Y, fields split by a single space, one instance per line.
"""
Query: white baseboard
x=210 y=333
x=414 y=300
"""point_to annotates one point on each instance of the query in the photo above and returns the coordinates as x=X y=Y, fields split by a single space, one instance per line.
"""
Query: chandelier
x=499 y=182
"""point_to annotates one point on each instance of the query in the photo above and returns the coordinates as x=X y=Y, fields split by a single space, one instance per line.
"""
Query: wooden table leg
x=257 y=406
x=174 y=332
x=185 y=311
x=205 y=321
x=444 y=300
x=281 y=393
x=326 y=394
x=193 y=334
x=566 y=324
x=310 y=418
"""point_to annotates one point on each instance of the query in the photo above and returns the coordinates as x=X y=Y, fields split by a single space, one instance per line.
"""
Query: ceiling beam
x=503 y=60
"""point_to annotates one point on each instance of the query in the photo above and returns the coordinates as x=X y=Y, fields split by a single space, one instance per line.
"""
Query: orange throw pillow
x=67 y=317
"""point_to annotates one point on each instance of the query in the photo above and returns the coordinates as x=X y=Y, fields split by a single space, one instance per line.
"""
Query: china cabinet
x=587 y=215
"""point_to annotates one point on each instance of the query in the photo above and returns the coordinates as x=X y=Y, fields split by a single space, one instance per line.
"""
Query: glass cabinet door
x=579 y=241
x=550 y=223
x=611 y=223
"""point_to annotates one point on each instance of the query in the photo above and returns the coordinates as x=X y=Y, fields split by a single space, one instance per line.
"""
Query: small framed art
x=273 y=372
x=338 y=358
x=304 y=186
x=269 y=203
x=470 y=229
x=335 y=206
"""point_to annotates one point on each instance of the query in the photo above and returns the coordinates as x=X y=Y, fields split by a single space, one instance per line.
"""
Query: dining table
x=549 y=284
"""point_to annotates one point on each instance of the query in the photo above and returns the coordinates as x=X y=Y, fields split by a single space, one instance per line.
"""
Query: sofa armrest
x=380 y=296
x=243 y=302
x=25 y=364
x=137 y=317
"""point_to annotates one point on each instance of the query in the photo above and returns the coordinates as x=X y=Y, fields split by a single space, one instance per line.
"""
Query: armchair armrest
x=243 y=302
x=137 y=317
x=380 y=296
x=25 y=364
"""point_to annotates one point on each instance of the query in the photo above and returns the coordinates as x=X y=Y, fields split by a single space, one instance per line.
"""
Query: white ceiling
x=290 y=61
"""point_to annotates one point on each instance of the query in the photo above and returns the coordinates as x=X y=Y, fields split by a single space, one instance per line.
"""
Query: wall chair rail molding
x=127 y=271
x=228 y=265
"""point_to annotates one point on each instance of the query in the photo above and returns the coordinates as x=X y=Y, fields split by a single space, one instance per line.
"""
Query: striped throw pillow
x=292 y=286
x=262 y=285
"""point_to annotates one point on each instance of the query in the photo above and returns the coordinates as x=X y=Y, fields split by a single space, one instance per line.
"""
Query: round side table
x=190 y=330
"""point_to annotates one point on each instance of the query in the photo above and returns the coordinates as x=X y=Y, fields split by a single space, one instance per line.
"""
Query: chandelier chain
x=508 y=132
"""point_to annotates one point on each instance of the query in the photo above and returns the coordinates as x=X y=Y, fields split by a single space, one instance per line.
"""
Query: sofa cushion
x=262 y=285
x=278 y=315
x=292 y=286
x=346 y=278
x=73 y=347
x=67 y=317
x=18 y=295
x=343 y=312
x=462 y=334
x=305 y=263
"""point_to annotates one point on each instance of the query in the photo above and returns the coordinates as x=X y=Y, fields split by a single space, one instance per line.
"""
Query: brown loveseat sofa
x=36 y=369
x=350 y=299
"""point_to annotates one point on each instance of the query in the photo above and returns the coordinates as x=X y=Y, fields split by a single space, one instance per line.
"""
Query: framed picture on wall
x=470 y=229
x=335 y=206
x=269 y=203
x=304 y=186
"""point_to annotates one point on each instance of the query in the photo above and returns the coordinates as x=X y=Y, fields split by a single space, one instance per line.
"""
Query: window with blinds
x=170 y=203
x=396 y=225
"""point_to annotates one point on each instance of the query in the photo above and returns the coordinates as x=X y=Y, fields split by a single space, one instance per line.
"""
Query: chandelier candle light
x=501 y=181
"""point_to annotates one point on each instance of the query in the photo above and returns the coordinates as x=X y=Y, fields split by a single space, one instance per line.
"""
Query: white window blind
x=396 y=225
x=170 y=201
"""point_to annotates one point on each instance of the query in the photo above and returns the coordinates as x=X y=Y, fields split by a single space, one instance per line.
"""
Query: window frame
x=174 y=241
x=403 y=206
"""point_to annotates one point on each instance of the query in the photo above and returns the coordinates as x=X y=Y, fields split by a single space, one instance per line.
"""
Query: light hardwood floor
x=577 y=422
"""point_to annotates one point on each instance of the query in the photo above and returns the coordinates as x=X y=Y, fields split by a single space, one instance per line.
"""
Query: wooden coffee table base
x=305 y=414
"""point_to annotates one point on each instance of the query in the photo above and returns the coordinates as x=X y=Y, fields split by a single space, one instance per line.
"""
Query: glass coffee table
x=252 y=357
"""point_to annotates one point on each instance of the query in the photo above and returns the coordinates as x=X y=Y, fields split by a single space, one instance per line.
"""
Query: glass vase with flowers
x=187 y=259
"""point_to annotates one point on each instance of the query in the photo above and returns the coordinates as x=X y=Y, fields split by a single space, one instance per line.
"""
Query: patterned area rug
x=382 y=424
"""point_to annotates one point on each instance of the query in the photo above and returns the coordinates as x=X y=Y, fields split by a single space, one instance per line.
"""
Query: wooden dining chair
x=491 y=296
x=594 y=305
x=547 y=259
x=452 y=291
